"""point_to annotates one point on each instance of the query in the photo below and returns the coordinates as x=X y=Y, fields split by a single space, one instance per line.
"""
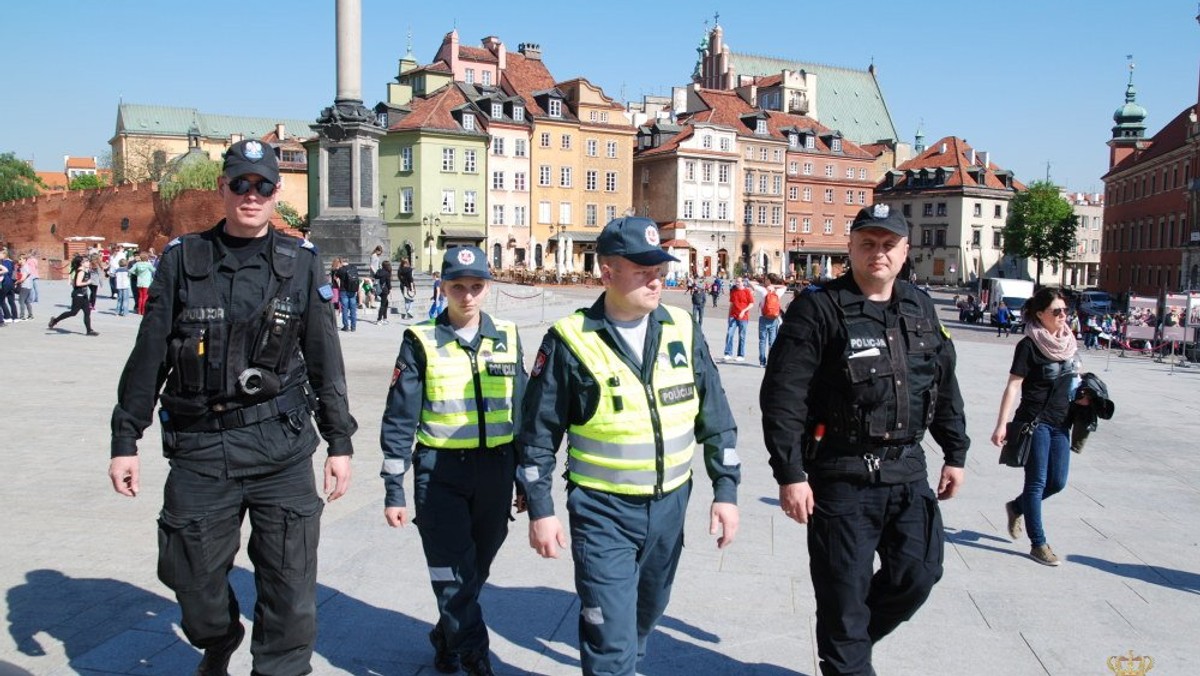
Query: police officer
x=632 y=385
x=238 y=329
x=456 y=388
x=860 y=370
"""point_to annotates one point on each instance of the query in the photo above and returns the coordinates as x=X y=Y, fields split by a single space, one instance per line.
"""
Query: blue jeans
x=1045 y=475
x=738 y=325
x=349 y=302
x=698 y=313
x=122 y=301
x=768 y=329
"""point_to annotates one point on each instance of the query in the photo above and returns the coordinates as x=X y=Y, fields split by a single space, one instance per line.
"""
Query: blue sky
x=1031 y=82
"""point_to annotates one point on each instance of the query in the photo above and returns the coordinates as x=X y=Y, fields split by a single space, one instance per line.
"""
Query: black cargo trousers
x=853 y=519
x=199 y=533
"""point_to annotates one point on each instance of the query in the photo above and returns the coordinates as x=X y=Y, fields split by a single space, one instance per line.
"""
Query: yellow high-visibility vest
x=463 y=388
x=641 y=439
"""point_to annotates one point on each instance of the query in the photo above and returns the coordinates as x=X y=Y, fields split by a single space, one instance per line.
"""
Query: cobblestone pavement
x=77 y=564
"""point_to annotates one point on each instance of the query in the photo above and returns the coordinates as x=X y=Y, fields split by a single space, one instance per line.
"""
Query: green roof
x=847 y=100
x=133 y=118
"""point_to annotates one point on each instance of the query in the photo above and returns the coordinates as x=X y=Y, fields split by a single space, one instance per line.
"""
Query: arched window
x=537 y=256
x=497 y=251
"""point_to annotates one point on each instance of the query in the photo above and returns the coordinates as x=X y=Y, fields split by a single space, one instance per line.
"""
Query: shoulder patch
x=539 y=362
x=305 y=244
x=173 y=243
x=397 y=370
x=325 y=291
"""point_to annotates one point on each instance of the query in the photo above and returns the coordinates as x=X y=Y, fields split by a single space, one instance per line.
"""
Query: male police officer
x=858 y=373
x=633 y=386
x=238 y=328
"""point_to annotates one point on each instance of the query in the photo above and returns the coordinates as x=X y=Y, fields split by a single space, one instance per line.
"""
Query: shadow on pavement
x=666 y=655
x=971 y=538
x=1170 y=578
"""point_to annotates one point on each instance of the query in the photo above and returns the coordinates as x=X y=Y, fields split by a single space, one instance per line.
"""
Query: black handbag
x=1018 y=440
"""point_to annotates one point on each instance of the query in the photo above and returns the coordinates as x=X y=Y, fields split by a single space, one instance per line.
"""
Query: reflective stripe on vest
x=450 y=409
x=620 y=448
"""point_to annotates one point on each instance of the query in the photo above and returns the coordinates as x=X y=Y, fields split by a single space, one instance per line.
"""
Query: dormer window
x=381 y=118
x=555 y=108
x=487 y=77
x=836 y=145
x=518 y=113
x=810 y=142
x=497 y=111
x=760 y=127
x=793 y=140
x=468 y=121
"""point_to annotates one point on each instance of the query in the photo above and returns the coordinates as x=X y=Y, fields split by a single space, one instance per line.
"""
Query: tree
x=143 y=159
x=18 y=180
x=290 y=216
x=86 y=182
x=194 y=174
x=1041 y=225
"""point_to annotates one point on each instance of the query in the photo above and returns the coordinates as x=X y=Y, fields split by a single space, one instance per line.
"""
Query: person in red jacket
x=741 y=299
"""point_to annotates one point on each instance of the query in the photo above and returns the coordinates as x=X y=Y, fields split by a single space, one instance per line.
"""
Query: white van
x=1014 y=293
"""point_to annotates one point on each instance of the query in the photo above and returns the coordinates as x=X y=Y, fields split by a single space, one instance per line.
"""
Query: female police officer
x=456 y=387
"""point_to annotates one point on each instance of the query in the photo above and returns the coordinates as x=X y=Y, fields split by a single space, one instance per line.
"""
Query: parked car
x=1095 y=302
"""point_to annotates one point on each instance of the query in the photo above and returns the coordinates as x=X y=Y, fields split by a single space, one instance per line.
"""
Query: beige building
x=1083 y=268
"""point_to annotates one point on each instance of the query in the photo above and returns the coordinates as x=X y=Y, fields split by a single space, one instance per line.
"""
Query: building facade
x=1151 y=244
x=956 y=201
x=1083 y=268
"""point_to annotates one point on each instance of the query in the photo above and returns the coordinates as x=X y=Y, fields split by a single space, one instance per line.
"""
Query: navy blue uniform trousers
x=463 y=501
x=857 y=606
x=199 y=532
x=626 y=551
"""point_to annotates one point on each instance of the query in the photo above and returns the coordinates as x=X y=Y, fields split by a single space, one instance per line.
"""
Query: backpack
x=770 y=306
x=349 y=273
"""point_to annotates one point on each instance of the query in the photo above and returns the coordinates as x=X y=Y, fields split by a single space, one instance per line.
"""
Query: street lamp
x=431 y=222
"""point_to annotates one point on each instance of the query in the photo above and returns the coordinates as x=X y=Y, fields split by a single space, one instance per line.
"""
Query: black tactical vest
x=885 y=390
x=217 y=363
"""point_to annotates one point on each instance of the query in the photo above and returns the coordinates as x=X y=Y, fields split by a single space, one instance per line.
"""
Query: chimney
x=984 y=157
x=943 y=149
x=280 y=131
x=530 y=50
x=972 y=162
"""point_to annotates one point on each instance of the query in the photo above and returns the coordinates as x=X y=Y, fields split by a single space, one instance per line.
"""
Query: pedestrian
x=861 y=367
x=438 y=302
x=99 y=276
x=8 y=288
x=383 y=285
x=240 y=443
x=1045 y=363
x=770 y=313
x=143 y=271
x=741 y=299
x=465 y=461
x=632 y=385
x=1003 y=319
x=376 y=258
x=121 y=279
x=348 y=288
x=715 y=289
x=26 y=278
x=116 y=253
x=698 y=301
x=80 y=274
x=408 y=288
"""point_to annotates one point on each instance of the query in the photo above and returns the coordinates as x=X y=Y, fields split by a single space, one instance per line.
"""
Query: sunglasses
x=1057 y=311
x=242 y=185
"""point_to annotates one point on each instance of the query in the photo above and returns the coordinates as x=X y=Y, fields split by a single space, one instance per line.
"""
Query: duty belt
x=290 y=400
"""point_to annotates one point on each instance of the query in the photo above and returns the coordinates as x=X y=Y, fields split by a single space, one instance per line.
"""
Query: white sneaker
x=724 y=357
x=741 y=359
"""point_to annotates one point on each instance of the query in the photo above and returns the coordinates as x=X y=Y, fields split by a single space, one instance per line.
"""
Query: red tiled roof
x=671 y=144
x=476 y=54
x=54 y=180
x=433 y=111
x=777 y=121
x=724 y=107
x=876 y=149
x=769 y=80
x=292 y=142
x=81 y=163
x=1169 y=138
x=523 y=76
x=957 y=156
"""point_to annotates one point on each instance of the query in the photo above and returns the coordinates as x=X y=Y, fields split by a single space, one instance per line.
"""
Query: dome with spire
x=1131 y=111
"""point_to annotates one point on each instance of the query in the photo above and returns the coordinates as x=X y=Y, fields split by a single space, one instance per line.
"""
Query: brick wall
x=26 y=224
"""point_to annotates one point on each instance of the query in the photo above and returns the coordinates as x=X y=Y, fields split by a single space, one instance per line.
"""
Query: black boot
x=444 y=660
x=478 y=664
x=216 y=658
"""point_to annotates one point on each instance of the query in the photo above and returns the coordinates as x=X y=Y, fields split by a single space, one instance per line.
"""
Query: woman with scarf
x=1044 y=368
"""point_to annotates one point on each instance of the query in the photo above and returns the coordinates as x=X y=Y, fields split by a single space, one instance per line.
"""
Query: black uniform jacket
x=809 y=354
x=563 y=392
x=243 y=289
